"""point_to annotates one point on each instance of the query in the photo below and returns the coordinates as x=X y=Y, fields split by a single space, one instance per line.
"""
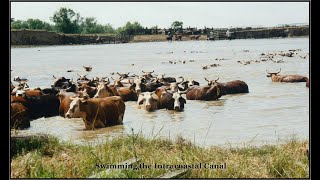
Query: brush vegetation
x=51 y=158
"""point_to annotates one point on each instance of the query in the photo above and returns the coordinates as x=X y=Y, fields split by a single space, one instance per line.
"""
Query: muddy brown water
x=270 y=113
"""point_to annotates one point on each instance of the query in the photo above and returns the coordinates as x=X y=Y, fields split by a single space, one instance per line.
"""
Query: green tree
x=19 y=24
x=31 y=24
x=90 y=26
x=109 y=29
x=177 y=25
x=131 y=28
x=67 y=21
x=38 y=24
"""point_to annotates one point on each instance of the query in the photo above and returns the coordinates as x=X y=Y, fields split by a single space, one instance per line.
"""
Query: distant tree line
x=69 y=22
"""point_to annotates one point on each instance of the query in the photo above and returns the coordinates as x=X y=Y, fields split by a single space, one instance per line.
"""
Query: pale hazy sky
x=195 y=14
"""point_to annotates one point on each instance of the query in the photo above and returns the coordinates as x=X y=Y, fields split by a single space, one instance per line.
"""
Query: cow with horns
x=97 y=112
x=232 y=87
x=206 y=93
x=286 y=78
x=87 y=68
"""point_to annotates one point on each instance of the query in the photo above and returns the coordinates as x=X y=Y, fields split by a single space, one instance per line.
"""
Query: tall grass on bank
x=54 y=159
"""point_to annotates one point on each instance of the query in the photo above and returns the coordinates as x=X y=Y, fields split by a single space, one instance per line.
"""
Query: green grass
x=54 y=159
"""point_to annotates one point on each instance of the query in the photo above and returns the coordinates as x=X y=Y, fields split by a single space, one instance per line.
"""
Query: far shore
x=141 y=39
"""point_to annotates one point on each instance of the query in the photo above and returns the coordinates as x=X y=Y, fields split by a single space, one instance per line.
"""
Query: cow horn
x=181 y=81
x=152 y=71
x=143 y=71
x=54 y=77
x=78 y=75
x=112 y=78
x=279 y=71
x=216 y=80
x=108 y=82
x=206 y=79
x=128 y=73
x=118 y=73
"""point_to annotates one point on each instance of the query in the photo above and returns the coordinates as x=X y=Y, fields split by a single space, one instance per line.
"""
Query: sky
x=194 y=14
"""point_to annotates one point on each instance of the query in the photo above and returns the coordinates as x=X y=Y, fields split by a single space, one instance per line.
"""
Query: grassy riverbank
x=53 y=159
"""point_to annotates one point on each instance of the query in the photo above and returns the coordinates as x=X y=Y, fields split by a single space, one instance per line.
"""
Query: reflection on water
x=269 y=112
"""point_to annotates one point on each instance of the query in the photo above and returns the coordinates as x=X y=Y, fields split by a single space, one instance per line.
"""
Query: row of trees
x=67 y=21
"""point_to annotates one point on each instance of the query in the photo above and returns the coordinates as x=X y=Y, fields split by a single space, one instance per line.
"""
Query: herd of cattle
x=100 y=103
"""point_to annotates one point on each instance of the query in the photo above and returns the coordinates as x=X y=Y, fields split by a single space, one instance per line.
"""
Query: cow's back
x=294 y=78
x=234 y=87
x=127 y=94
x=43 y=106
x=194 y=93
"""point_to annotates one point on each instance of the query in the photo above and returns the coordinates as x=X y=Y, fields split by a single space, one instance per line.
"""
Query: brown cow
x=127 y=94
x=148 y=101
x=64 y=98
x=88 y=89
x=19 y=118
x=98 y=112
x=286 y=78
x=103 y=90
x=206 y=93
x=232 y=87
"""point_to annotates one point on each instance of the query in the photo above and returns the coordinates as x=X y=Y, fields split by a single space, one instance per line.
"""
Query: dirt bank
x=39 y=37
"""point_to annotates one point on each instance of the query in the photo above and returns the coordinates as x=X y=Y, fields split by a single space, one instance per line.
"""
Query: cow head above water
x=59 y=82
x=212 y=82
x=148 y=100
x=123 y=75
x=160 y=77
x=103 y=90
x=87 y=68
x=147 y=75
x=75 y=104
x=137 y=83
x=273 y=74
x=179 y=101
x=189 y=83
x=117 y=82
x=174 y=86
x=83 y=77
x=20 y=93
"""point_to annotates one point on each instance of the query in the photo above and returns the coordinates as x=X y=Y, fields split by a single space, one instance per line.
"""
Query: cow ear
x=183 y=100
x=154 y=96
